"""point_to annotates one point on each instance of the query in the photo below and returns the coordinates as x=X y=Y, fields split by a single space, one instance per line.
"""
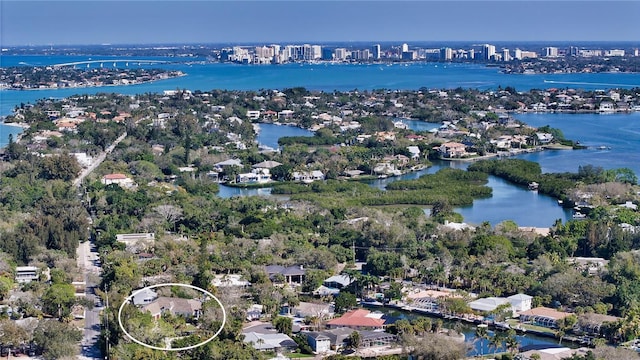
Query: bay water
x=611 y=138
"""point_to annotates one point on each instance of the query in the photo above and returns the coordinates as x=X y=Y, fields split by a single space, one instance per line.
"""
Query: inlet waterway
x=618 y=133
x=509 y=202
x=477 y=346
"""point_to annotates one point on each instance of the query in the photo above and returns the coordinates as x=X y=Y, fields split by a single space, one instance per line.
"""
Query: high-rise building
x=327 y=53
x=446 y=53
x=316 y=52
x=489 y=51
x=517 y=54
x=405 y=48
x=551 y=51
x=340 y=54
x=375 y=51
x=505 y=55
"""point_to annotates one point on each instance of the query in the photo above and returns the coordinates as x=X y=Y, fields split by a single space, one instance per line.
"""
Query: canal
x=508 y=202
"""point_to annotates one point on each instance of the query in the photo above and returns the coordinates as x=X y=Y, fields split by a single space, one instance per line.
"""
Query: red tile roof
x=115 y=176
x=357 y=318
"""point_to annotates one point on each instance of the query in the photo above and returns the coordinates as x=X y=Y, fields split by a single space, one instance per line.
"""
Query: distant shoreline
x=90 y=86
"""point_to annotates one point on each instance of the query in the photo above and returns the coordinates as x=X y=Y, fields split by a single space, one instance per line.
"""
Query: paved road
x=87 y=257
x=98 y=160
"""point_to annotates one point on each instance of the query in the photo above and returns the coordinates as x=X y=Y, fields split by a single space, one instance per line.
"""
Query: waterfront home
x=591 y=323
x=428 y=300
x=544 y=138
x=606 y=107
x=543 y=316
x=308 y=176
x=227 y=163
x=358 y=319
x=520 y=302
x=253 y=114
x=269 y=164
x=452 y=150
x=488 y=305
x=256 y=176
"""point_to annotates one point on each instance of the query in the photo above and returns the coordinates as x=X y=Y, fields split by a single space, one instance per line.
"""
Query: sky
x=86 y=22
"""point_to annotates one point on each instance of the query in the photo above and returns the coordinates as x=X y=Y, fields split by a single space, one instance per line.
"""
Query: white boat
x=579 y=215
x=533 y=186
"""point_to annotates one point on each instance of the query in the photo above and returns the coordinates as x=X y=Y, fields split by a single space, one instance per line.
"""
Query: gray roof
x=269 y=164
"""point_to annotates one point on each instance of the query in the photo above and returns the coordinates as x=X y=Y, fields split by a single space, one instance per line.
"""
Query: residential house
x=269 y=164
x=292 y=274
x=338 y=281
x=174 y=306
x=230 y=280
x=143 y=296
x=273 y=342
x=520 y=302
x=452 y=150
x=592 y=265
x=591 y=323
x=543 y=316
x=256 y=176
x=26 y=274
x=285 y=114
x=606 y=107
x=358 y=319
x=488 y=305
x=428 y=300
x=544 y=138
x=307 y=176
x=414 y=151
x=309 y=309
x=253 y=114
x=319 y=342
x=137 y=242
x=338 y=338
x=118 y=179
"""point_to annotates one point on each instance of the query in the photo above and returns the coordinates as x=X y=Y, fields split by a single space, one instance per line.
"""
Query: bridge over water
x=108 y=61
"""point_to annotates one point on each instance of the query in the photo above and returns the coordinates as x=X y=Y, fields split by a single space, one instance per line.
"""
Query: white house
x=305 y=176
x=520 y=302
x=25 y=274
x=143 y=296
x=415 y=151
x=253 y=114
x=259 y=176
x=319 y=343
x=118 y=179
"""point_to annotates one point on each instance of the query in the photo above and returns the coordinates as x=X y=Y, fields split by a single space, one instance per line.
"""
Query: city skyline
x=192 y=22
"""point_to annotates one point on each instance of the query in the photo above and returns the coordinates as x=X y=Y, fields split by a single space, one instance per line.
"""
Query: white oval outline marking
x=130 y=297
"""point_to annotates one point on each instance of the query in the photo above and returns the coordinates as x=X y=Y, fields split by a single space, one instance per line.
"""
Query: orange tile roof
x=357 y=318
x=115 y=176
x=546 y=312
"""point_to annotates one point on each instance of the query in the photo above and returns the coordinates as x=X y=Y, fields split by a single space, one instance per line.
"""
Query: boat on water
x=579 y=215
x=533 y=186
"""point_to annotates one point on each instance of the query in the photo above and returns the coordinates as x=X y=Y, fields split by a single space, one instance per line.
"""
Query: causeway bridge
x=126 y=62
